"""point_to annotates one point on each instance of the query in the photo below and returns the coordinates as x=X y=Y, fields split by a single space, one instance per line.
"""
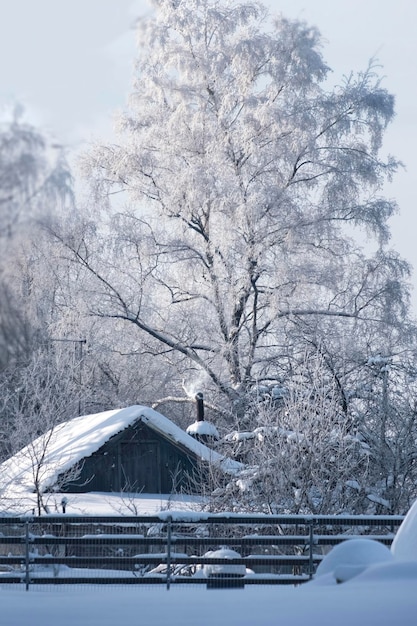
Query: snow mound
x=203 y=428
x=393 y=570
x=352 y=557
x=218 y=569
x=404 y=546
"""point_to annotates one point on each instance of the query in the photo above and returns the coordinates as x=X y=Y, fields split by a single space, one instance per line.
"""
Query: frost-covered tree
x=384 y=411
x=302 y=457
x=34 y=176
x=34 y=184
x=34 y=399
x=305 y=455
x=231 y=201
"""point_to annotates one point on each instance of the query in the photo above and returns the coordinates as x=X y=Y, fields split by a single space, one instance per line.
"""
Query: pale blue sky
x=70 y=62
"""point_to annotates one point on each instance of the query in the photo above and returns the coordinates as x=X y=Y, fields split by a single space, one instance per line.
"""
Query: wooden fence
x=176 y=547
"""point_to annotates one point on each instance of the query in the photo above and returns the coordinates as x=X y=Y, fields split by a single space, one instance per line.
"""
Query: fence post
x=169 y=531
x=310 y=549
x=27 y=578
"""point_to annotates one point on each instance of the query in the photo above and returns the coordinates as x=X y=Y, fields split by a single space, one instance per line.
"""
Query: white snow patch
x=240 y=436
x=220 y=568
x=392 y=570
x=404 y=546
x=203 y=428
x=353 y=484
x=352 y=557
x=378 y=500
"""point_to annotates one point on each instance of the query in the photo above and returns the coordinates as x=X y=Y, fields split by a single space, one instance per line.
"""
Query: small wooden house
x=145 y=457
x=134 y=449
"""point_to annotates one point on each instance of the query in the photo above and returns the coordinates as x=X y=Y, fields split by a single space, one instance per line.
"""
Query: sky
x=71 y=63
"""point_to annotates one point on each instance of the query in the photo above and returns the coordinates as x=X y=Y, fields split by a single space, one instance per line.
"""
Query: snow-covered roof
x=68 y=443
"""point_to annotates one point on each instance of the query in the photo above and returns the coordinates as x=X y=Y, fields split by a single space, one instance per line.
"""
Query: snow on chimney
x=201 y=430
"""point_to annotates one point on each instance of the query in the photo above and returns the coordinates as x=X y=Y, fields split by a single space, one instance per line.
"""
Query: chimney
x=201 y=430
x=200 y=407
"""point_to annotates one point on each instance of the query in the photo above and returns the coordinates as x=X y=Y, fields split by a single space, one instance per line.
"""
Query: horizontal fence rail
x=176 y=547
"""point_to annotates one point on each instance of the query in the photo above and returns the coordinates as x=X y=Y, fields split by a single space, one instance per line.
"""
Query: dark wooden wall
x=137 y=460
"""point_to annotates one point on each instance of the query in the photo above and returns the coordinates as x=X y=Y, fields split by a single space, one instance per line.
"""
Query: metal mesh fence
x=216 y=550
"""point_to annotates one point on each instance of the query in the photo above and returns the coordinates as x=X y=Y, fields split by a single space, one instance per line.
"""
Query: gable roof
x=68 y=443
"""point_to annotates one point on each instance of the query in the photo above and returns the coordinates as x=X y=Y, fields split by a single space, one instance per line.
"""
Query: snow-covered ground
x=380 y=600
x=379 y=590
x=94 y=503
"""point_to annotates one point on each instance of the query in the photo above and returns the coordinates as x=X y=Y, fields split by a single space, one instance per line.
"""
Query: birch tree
x=224 y=227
